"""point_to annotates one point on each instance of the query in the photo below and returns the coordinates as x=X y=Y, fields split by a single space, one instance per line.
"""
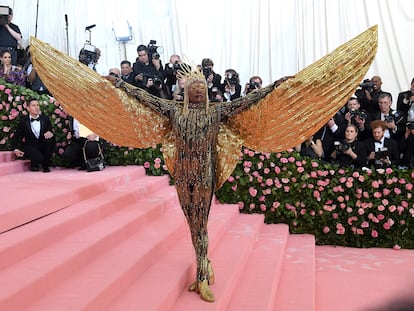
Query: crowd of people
x=366 y=132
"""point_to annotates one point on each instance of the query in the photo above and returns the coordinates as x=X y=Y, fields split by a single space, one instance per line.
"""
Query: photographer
x=353 y=114
x=349 y=151
x=213 y=79
x=170 y=72
x=231 y=87
x=394 y=120
x=10 y=35
x=254 y=84
x=406 y=100
x=407 y=146
x=381 y=151
x=369 y=93
x=148 y=71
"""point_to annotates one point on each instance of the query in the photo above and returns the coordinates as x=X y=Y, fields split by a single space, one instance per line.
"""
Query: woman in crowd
x=9 y=72
x=349 y=151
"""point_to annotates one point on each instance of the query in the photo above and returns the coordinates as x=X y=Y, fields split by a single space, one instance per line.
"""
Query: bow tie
x=32 y=119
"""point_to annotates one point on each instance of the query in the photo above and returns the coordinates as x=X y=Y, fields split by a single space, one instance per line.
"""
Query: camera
x=394 y=116
x=88 y=55
x=4 y=15
x=207 y=71
x=232 y=79
x=155 y=79
x=367 y=85
x=174 y=66
x=341 y=146
x=410 y=125
x=253 y=85
x=360 y=113
x=381 y=154
x=153 y=50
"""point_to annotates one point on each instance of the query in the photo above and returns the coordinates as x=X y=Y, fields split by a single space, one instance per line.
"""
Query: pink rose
x=252 y=191
x=374 y=233
x=234 y=188
x=276 y=204
x=325 y=229
x=147 y=165
x=365 y=224
x=230 y=179
x=397 y=191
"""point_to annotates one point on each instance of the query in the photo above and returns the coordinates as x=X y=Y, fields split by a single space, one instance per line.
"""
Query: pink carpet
x=117 y=240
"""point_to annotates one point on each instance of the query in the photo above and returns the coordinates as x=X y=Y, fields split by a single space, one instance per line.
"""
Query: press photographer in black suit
x=10 y=35
x=148 y=72
x=34 y=138
x=381 y=151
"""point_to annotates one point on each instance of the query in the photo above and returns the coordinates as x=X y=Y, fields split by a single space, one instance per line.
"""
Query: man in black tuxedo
x=34 y=135
x=381 y=151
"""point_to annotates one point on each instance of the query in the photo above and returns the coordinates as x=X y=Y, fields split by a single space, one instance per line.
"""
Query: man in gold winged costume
x=202 y=140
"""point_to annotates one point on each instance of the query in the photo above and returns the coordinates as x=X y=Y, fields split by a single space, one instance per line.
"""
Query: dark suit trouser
x=39 y=153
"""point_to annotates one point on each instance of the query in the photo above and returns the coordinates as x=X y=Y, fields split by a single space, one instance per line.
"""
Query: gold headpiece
x=191 y=74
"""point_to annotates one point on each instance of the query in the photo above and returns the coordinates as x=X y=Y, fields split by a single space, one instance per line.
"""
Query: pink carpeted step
x=12 y=167
x=257 y=288
x=31 y=278
x=159 y=287
x=29 y=195
x=7 y=156
x=100 y=280
x=229 y=263
x=18 y=244
x=296 y=290
x=372 y=279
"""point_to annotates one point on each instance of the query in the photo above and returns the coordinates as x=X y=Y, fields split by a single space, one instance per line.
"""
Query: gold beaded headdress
x=191 y=75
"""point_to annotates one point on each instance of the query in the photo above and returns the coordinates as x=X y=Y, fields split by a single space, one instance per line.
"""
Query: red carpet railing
x=340 y=206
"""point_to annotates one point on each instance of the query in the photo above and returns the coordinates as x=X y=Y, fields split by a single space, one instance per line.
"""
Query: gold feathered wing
x=95 y=102
x=285 y=117
x=300 y=106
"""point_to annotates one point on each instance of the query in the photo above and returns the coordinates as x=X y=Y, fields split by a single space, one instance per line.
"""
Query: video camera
x=365 y=85
x=153 y=50
x=4 y=15
x=88 y=55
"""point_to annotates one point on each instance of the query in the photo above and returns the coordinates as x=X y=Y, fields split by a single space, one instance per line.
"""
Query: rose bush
x=340 y=206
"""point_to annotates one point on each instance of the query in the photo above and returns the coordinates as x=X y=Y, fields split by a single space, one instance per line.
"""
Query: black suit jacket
x=24 y=135
x=392 y=149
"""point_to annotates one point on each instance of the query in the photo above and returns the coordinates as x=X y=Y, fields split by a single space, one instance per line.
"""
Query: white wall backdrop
x=270 y=38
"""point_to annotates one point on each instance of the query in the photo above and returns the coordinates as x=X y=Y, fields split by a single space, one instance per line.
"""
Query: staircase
x=117 y=240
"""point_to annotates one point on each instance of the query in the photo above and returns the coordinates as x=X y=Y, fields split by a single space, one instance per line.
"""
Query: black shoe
x=34 y=168
x=46 y=170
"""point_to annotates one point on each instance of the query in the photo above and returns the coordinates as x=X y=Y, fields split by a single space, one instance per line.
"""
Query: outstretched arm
x=236 y=106
x=160 y=105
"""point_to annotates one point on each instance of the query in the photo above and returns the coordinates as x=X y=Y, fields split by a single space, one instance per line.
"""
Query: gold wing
x=95 y=102
x=296 y=109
